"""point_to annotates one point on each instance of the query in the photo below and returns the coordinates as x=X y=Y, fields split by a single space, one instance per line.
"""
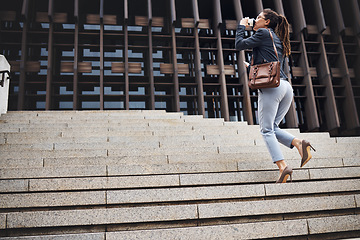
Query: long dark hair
x=280 y=25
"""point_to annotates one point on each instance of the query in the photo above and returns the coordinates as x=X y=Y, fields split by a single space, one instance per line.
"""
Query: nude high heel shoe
x=306 y=152
x=285 y=174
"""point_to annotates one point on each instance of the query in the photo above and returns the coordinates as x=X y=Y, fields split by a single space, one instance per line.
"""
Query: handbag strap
x=272 y=39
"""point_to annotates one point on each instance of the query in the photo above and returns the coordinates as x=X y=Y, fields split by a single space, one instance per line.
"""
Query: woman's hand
x=244 y=21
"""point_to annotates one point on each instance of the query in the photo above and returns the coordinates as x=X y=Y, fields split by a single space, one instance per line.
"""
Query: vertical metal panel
x=356 y=14
x=76 y=10
x=176 y=99
x=299 y=16
x=150 y=60
x=126 y=55
x=310 y=106
x=25 y=8
x=51 y=9
x=198 y=77
x=220 y=62
x=126 y=60
x=126 y=10
x=149 y=11
x=351 y=116
x=258 y=6
x=22 y=77
x=337 y=16
x=238 y=10
x=217 y=13
x=101 y=10
x=150 y=71
x=195 y=12
x=173 y=11
x=279 y=7
x=331 y=113
x=49 y=76
x=243 y=77
x=76 y=57
x=101 y=65
x=320 y=19
x=101 y=54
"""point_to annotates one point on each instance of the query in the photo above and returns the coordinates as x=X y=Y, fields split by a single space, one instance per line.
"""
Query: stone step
x=281 y=228
x=180 y=154
x=58 y=136
x=158 y=164
x=36 y=219
x=110 y=151
x=323 y=151
x=213 y=210
x=101 y=142
x=229 y=192
x=229 y=137
x=63 y=236
x=50 y=153
x=163 y=147
x=119 y=122
x=235 y=176
x=257 y=230
x=82 y=171
x=22 y=185
x=82 y=178
x=40 y=114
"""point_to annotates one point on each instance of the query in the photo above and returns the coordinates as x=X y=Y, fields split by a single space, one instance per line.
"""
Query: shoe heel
x=312 y=148
x=306 y=147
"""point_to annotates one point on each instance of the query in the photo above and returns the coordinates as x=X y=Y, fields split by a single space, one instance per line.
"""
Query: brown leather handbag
x=265 y=75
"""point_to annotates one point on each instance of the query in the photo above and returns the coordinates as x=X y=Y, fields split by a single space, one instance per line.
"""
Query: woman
x=273 y=103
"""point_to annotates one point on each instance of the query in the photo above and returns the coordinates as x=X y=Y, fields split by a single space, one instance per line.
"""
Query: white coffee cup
x=251 y=22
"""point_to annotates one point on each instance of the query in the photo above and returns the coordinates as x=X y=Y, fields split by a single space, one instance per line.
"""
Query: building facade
x=179 y=55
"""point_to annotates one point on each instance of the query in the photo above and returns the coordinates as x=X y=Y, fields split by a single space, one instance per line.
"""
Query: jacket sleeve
x=250 y=42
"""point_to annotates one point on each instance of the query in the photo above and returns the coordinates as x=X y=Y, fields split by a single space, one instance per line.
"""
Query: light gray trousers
x=273 y=104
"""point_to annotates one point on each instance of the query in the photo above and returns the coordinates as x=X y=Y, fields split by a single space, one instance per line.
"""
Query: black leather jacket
x=261 y=43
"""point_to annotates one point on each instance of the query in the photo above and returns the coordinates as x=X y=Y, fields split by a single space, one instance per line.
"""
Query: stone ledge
x=351 y=161
x=81 y=236
x=29 y=200
x=237 y=177
x=14 y=186
x=220 y=232
x=171 y=168
x=2 y=220
x=295 y=205
x=184 y=194
x=47 y=153
x=334 y=224
x=61 y=184
x=116 y=160
x=345 y=172
x=312 y=187
x=100 y=216
x=49 y=172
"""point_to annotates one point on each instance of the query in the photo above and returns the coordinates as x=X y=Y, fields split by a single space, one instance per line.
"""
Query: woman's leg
x=268 y=101
x=274 y=103
x=284 y=137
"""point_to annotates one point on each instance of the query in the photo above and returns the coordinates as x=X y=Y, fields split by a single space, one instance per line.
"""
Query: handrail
x=2 y=80
x=4 y=84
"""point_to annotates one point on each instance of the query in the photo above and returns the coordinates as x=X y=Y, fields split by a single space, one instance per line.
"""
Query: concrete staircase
x=155 y=175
